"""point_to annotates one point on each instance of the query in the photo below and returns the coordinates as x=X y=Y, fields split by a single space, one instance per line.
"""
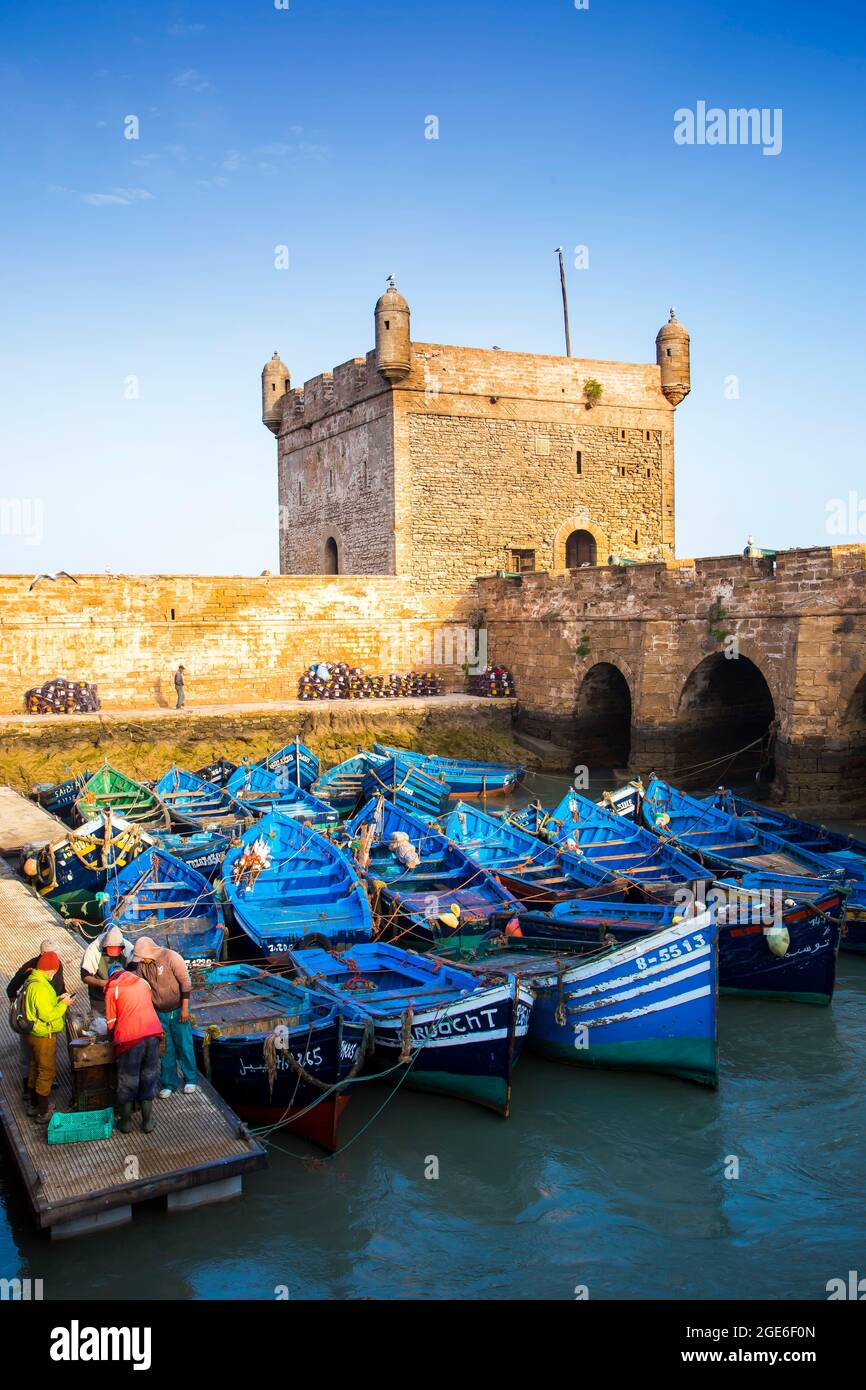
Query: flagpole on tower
x=564 y=301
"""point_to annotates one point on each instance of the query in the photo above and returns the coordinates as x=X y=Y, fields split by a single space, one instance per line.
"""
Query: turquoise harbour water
x=614 y=1182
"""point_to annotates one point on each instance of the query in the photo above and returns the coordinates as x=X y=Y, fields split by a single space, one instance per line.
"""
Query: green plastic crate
x=80 y=1126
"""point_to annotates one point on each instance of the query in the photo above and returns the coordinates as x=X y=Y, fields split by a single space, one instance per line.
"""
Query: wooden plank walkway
x=197 y=1153
x=22 y=823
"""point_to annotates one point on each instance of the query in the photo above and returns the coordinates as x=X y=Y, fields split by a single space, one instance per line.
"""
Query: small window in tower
x=649 y=472
x=578 y=462
x=388 y=325
x=330 y=480
x=366 y=475
x=648 y=436
x=622 y=471
x=273 y=386
x=300 y=492
x=622 y=436
x=669 y=353
x=635 y=536
x=523 y=561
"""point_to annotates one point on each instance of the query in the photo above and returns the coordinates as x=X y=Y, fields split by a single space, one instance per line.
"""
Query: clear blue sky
x=155 y=258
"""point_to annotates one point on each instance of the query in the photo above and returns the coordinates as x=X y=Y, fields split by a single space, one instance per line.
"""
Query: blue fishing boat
x=218 y=772
x=72 y=870
x=159 y=896
x=619 y=846
x=286 y=884
x=465 y=777
x=409 y=786
x=280 y=1055
x=845 y=851
x=197 y=805
x=261 y=791
x=58 y=798
x=343 y=786
x=423 y=888
x=204 y=850
x=649 y=1005
x=771 y=945
x=725 y=844
x=437 y=1027
x=538 y=874
x=300 y=763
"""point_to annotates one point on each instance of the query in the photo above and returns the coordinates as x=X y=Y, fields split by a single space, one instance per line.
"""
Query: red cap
x=48 y=962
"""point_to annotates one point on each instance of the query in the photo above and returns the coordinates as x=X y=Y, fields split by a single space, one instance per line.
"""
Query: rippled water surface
x=612 y=1181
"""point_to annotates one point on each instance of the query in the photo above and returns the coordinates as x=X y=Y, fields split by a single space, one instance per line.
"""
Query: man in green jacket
x=45 y=1011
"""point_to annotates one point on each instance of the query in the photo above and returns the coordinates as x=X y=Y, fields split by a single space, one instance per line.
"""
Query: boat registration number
x=676 y=949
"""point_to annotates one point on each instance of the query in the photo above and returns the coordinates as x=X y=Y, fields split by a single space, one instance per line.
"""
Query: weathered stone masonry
x=664 y=629
x=439 y=463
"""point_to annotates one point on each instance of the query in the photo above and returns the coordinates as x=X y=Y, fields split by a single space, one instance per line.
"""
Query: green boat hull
x=691 y=1059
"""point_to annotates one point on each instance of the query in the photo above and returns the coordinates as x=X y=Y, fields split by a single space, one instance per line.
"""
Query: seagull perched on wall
x=59 y=574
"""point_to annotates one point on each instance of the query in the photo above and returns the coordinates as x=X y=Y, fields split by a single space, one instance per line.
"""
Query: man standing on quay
x=178 y=685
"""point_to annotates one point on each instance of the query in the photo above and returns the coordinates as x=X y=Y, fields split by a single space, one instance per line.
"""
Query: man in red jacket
x=135 y=1031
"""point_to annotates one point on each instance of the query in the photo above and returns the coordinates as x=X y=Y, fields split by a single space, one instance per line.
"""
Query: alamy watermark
x=23 y=517
x=713 y=125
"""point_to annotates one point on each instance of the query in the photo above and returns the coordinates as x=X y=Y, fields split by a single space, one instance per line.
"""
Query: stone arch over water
x=603 y=715
x=725 y=705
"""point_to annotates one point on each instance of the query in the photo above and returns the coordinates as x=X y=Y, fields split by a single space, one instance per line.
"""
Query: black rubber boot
x=148 y=1123
x=26 y=1091
x=32 y=1107
x=44 y=1110
x=124 y=1122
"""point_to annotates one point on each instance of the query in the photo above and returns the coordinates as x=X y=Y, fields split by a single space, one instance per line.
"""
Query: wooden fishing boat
x=299 y=762
x=203 y=851
x=218 y=772
x=536 y=873
x=437 y=1027
x=723 y=843
x=342 y=786
x=650 y=1005
x=72 y=871
x=58 y=798
x=409 y=786
x=110 y=790
x=619 y=846
x=771 y=945
x=260 y=791
x=845 y=851
x=465 y=777
x=280 y=1055
x=159 y=896
x=423 y=888
x=197 y=805
x=285 y=883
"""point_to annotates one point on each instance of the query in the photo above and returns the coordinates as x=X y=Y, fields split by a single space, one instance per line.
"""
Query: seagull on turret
x=58 y=574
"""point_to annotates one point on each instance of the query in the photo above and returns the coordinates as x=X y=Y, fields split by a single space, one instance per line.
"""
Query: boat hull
x=467 y=1050
x=805 y=974
x=237 y=1067
x=640 y=1008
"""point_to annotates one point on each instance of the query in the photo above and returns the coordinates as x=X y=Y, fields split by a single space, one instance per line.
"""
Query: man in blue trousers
x=167 y=974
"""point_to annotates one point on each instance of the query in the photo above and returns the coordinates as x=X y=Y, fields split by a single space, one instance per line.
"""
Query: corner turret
x=276 y=384
x=672 y=356
x=393 y=343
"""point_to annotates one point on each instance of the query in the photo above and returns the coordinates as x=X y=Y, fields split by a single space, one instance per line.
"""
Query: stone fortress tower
x=442 y=463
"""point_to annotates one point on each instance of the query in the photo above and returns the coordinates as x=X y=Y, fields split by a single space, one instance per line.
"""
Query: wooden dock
x=22 y=823
x=198 y=1152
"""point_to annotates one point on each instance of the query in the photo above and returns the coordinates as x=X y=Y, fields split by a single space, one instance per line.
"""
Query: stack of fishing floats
x=338 y=681
x=496 y=683
x=61 y=696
